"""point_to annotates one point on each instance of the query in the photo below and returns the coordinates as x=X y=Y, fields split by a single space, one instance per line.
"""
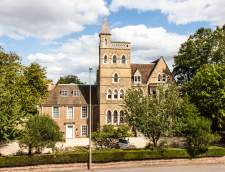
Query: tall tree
x=69 y=79
x=21 y=91
x=207 y=92
x=152 y=115
x=204 y=47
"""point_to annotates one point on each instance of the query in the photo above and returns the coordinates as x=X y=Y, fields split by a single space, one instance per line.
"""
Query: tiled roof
x=55 y=98
x=144 y=69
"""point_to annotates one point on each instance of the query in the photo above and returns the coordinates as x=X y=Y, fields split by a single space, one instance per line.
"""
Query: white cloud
x=179 y=11
x=75 y=56
x=48 y=19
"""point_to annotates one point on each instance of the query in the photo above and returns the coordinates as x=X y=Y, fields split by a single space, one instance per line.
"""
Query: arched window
x=109 y=94
x=114 y=59
x=159 y=77
x=121 y=117
x=105 y=59
x=123 y=59
x=109 y=117
x=121 y=94
x=106 y=42
x=115 y=117
x=115 y=78
x=115 y=94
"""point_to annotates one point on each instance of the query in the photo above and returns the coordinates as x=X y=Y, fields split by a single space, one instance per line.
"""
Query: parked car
x=123 y=144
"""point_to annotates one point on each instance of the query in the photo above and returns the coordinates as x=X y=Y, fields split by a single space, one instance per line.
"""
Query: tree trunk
x=29 y=150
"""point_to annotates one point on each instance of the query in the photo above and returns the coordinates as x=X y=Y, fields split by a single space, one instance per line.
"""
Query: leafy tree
x=196 y=129
x=108 y=136
x=152 y=115
x=22 y=88
x=204 y=47
x=40 y=131
x=207 y=92
x=69 y=79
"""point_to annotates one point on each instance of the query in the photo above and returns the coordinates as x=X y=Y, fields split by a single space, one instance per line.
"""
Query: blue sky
x=62 y=35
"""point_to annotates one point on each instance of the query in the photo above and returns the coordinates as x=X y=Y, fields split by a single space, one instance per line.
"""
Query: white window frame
x=53 y=112
x=81 y=112
x=64 y=91
x=136 y=80
x=120 y=93
x=73 y=131
x=76 y=93
x=164 y=77
x=107 y=93
x=113 y=98
x=81 y=130
x=67 y=112
x=107 y=117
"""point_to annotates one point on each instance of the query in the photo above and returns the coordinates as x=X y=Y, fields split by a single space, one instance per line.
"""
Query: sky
x=62 y=35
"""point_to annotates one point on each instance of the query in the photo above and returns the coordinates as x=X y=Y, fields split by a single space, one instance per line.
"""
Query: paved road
x=188 y=168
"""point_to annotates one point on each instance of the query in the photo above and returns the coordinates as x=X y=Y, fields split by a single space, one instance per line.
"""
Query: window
x=115 y=94
x=114 y=59
x=109 y=94
x=106 y=42
x=105 y=59
x=115 y=78
x=76 y=92
x=55 y=112
x=121 y=117
x=84 y=130
x=123 y=59
x=115 y=117
x=164 y=77
x=109 y=117
x=137 y=79
x=70 y=113
x=84 y=112
x=121 y=94
x=152 y=90
x=63 y=93
x=159 y=77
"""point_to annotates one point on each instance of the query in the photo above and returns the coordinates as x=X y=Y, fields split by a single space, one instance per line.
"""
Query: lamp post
x=90 y=122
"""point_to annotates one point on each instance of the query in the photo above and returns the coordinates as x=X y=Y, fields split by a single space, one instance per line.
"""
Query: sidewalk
x=117 y=165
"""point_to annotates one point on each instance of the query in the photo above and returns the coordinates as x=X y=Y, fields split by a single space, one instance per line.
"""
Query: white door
x=69 y=131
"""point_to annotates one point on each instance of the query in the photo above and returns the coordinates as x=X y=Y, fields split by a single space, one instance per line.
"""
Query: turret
x=105 y=35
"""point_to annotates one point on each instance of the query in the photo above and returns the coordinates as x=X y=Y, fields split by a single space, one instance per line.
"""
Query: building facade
x=68 y=103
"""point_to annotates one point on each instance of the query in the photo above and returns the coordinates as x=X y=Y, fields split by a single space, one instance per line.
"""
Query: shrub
x=108 y=136
x=103 y=156
x=39 y=132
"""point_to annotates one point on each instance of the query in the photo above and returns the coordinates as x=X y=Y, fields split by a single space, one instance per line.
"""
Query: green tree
x=69 y=79
x=22 y=88
x=204 y=47
x=196 y=129
x=109 y=135
x=207 y=92
x=153 y=115
x=40 y=131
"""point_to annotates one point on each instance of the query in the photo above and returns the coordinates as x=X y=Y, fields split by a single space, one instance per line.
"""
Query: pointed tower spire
x=105 y=26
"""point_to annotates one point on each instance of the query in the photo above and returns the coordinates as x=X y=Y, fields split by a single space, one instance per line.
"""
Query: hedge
x=103 y=156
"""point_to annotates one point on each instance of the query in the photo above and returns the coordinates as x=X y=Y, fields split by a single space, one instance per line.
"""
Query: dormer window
x=105 y=60
x=114 y=59
x=64 y=93
x=123 y=60
x=115 y=78
x=76 y=92
x=137 y=79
